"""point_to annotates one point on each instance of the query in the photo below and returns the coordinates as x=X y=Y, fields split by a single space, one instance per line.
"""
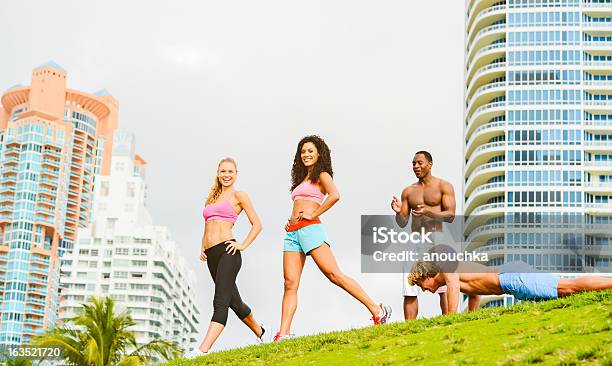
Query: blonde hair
x=215 y=190
x=422 y=270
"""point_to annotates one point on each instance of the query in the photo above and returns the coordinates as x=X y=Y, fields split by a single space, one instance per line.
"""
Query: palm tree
x=98 y=337
x=15 y=361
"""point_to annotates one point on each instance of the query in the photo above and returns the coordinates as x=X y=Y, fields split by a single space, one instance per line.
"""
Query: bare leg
x=293 y=264
x=443 y=303
x=250 y=322
x=411 y=307
x=473 y=302
x=326 y=262
x=570 y=286
x=214 y=330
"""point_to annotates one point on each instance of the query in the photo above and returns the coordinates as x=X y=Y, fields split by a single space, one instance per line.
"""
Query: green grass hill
x=570 y=331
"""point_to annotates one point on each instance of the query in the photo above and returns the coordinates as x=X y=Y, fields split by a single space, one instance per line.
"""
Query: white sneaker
x=279 y=338
x=195 y=353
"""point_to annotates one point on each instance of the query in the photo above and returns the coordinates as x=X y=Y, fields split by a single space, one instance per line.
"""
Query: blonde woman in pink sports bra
x=222 y=251
x=313 y=193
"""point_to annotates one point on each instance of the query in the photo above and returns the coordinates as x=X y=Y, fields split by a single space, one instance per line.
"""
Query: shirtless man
x=476 y=279
x=431 y=201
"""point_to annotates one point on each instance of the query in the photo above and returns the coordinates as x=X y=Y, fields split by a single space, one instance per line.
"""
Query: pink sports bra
x=223 y=211
x=308 y=192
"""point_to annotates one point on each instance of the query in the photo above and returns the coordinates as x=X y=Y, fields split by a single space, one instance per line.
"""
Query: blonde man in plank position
x=476 y=279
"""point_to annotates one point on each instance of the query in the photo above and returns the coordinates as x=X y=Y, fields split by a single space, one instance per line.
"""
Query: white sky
x=200 y=80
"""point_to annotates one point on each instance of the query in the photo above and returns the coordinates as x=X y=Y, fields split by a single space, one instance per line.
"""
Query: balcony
x=484 y=56
x=485 y=74
x=482 y=194
x=596 y=7
x=48 y=182
x=597 y=65
x=38 y=291
x=6 y=198
x=48 y=192
x=46 y=201
x=486 y=36
x=54 y=153
x=483 y=233
x=482 y=213
x=46 y=211
x=598 y=105
x=597 y=26
x=10 y=160
x=4 y=188
x=598 y=208
x=591 y=145
x=484 y=153
x=51 y=163
x=597 y=46
x=486 y=93
x=34 y=310
x=484 y=114
x=49 y=172
x=597 y=85
x=487 y=16
x=483 y=134
x=598 y=187
x=39 y=270
x=597 y=125
x=45 y=220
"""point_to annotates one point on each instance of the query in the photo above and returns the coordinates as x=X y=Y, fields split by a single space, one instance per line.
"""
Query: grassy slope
x=575 y=330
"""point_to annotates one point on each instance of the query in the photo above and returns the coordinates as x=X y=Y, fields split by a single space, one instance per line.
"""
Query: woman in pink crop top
x=313 y=193
x=222 y=251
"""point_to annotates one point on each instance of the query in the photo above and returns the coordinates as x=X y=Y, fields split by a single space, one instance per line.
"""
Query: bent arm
x=448 y=204
x=256 y=227
x=401 y=218
x=333 y=195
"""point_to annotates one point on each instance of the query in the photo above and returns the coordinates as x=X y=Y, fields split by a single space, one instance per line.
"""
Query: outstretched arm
x=247 y=206
x=452 y=291
x=202 y=254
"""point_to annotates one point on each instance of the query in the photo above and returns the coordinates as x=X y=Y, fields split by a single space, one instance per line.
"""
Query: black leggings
x=224 y=268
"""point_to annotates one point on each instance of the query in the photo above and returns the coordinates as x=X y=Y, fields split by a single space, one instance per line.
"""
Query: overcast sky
x=200 y=80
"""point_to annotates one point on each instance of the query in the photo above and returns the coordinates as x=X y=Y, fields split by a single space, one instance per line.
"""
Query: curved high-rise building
x=53 y=141
x=538 y=131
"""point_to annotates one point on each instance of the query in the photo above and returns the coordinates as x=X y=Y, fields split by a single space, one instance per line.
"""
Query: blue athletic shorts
x=529 y=286
x=305 y=239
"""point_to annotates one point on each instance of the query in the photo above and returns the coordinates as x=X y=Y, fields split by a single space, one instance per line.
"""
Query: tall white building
x=538 y=133
x=123 y=255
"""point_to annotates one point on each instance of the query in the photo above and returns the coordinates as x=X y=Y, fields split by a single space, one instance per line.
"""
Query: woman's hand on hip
x=233 y=246
x=203 y=255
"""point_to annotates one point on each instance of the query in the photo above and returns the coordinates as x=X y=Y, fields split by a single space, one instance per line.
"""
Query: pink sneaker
x=279 y=338
x=383 y=316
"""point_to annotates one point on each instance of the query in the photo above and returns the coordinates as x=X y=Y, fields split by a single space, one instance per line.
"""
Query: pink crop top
x=223 y=211
x=308 y=192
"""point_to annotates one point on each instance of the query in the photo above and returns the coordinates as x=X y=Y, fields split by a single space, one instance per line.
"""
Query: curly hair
x=299 y=171
x=422 y=270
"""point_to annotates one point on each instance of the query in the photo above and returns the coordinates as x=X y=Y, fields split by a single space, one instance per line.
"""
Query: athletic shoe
x=260 y=339
x=195 y=353
x=383 y=316
x=279 y=338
